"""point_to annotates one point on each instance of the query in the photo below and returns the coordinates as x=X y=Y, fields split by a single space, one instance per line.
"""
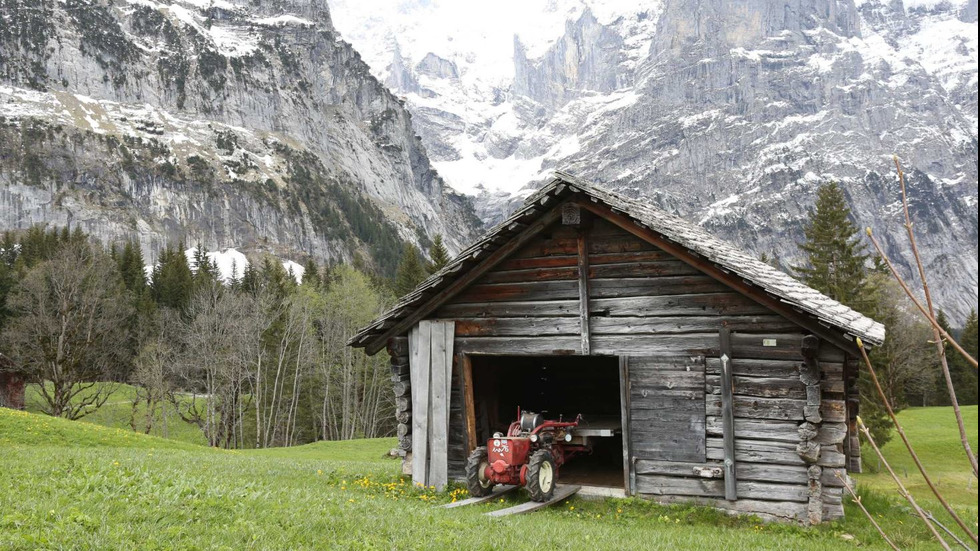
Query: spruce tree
x=835 y=256
x=836 y=265
x=410 y=271
x=964 y=376
x=172 y=282
x=311 y=274
x=205 y=269
x=438 y=254
x=131 y=268
x=967 y=375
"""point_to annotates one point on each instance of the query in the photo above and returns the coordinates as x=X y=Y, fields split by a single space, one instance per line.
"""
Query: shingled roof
x=690 y=236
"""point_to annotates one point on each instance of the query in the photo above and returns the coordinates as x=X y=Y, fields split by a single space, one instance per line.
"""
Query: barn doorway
x=556 y=386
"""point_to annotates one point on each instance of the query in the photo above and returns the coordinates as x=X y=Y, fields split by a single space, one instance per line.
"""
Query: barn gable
x=737 y=269
x=730 y=390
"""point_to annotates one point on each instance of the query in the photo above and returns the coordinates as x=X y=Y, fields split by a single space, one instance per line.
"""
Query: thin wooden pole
x=908 y=445
x=940 y=348
x=857 y=499
x=937 y=330
x=901 y=487
x=932 y=320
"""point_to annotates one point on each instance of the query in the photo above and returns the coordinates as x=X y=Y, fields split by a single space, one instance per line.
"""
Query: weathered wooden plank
x=652 y=269
x=634 y=325
x=773 y=510
x=502 y=327
x=528 y=290
x=614 y=345
x=757 y=368
x=419 y=349
x=748 y=407
x=702 y=304
x=833 y=411
x=782 y=474
x=763 y=387
x=438 y=404
x=756 y=429
x=755 y=451
x=656 y=269
x=727 y=414
x=628 y=256
x=562 y=492
x=583 y=291
x=831 y=433
x=496 y=493
x=525 y=263
x=701 y=487
x=643 y=286
x=530 y=274
x=542 y=308
x=669 y=380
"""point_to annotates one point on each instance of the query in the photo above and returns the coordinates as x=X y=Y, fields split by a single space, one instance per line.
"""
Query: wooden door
x=666 y=408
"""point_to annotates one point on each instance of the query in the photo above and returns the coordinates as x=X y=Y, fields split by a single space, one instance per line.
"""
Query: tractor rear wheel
x=476 y=478
x=541 y=475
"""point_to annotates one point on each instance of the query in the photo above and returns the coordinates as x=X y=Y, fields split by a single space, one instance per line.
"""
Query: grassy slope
x=117 y=410
x=65 y=484
x=933 y=434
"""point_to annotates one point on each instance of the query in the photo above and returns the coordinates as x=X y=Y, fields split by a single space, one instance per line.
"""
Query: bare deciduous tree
x=68 y=328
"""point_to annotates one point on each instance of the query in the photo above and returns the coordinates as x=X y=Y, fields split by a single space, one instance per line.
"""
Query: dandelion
x=319 y=471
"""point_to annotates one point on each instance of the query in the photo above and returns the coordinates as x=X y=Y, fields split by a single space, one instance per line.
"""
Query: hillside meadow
x=82 y=485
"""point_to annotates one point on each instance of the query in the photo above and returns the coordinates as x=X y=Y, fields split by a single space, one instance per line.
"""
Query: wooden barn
x=730 y=383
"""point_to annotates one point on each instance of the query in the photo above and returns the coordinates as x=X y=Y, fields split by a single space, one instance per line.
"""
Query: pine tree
x=410 y=271
x=835 y=256
x=438 y=254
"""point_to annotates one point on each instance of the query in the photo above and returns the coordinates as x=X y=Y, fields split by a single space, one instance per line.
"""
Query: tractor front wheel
x=476 y=478
x=541 y=475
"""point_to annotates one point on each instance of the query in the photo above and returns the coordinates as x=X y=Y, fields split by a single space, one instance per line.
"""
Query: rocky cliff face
x=230 y=123
x=730 y=114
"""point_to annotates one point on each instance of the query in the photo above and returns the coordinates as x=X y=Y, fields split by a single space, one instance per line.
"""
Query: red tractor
x=529 y=455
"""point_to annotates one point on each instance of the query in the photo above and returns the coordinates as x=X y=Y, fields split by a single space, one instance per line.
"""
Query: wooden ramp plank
x=561 y=493
x=497 y=492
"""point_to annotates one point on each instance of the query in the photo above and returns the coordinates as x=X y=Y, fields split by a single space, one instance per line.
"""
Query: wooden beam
x=469 y=406
x=464 y=280
x=624 y=407
x=583 y=290
x=728 y=414
x=709 y=268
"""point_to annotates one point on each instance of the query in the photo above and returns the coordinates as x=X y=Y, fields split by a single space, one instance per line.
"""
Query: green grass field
x=77 y=485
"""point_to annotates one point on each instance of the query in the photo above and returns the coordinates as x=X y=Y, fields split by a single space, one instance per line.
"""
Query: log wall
x=790 y=432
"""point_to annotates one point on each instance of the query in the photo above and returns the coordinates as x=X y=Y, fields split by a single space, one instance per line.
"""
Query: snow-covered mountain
x=229 y=123
x=731 y=114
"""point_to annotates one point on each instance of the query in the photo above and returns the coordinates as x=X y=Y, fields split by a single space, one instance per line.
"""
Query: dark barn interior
x=557 y=386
